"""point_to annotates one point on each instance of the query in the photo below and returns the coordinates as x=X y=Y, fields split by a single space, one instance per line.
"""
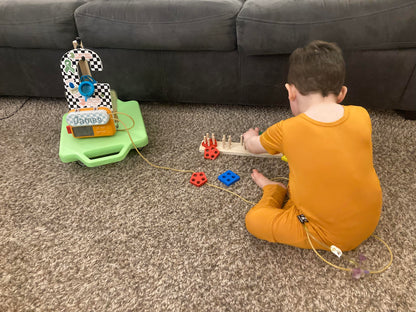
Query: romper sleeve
x=272 y=138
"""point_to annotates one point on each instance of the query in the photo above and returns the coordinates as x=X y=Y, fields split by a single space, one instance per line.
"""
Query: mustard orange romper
x=332 y=182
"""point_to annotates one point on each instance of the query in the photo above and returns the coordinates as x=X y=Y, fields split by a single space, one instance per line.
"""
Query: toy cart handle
x=104 y=160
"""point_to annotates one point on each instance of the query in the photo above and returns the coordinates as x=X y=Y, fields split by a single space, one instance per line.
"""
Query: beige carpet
x=128 y=237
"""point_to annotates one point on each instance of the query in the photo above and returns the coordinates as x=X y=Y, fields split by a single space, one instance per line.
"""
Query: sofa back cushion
x=180 y=25
x=38 y=23
x=280 y=26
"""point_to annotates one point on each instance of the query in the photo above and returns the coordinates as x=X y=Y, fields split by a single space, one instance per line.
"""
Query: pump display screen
x=82 y=131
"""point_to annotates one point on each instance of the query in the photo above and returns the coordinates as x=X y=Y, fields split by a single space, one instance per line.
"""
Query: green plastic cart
x=93 y=152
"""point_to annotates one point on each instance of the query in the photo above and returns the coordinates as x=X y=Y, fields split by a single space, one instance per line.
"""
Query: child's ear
x=291 y=91
x=342 y=94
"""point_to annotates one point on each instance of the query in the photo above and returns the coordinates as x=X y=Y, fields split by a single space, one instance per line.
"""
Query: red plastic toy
x=211 y=153
x=198 y=179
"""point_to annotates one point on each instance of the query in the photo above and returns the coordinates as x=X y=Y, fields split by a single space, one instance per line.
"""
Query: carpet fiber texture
x=130 y=237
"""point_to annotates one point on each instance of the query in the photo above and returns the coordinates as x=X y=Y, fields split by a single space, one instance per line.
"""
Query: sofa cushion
x=280 y=26
x=159 y=24
x=38 y=23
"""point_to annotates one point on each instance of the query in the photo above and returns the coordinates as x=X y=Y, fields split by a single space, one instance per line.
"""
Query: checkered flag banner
x=71 y=77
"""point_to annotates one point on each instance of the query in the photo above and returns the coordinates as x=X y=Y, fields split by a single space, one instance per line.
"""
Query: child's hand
x=252 y=141
x=251 y=133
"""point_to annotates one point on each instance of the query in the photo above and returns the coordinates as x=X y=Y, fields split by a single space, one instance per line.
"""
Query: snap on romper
x=332 y=182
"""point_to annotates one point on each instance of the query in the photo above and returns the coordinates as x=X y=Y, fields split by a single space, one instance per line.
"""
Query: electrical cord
x=141 y=155
x=309 y=235
x=17 y=110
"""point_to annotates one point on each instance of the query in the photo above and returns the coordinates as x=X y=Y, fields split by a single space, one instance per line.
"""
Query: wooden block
x=84 y=68
x=83 y=64
x=239 y=150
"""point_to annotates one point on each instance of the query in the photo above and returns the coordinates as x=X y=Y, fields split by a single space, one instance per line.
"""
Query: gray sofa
x=210 y=51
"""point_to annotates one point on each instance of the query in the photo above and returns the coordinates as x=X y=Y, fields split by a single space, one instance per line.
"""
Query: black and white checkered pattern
x=69 y=69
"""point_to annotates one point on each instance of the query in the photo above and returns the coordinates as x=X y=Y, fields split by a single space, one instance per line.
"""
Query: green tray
x=93 y=152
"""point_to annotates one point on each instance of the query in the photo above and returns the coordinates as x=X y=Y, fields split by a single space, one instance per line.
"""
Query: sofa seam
x=381 y=12
x=386 y=46
x=38 y=21
x=153 y=23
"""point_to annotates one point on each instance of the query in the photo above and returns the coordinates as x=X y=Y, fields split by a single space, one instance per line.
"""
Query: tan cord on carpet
x=137 y=150
x=309 y=235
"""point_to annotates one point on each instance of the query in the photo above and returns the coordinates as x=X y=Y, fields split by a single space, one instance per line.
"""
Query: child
x=332 y=181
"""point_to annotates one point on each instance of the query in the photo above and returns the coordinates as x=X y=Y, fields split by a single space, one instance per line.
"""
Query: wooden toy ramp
x=226 y=146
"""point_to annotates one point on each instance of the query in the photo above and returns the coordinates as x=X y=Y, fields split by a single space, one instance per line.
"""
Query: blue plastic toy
x=228 y=177
x=86 y=87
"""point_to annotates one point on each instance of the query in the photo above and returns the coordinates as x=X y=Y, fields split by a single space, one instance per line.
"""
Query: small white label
x=335 y=250
x=87 y=118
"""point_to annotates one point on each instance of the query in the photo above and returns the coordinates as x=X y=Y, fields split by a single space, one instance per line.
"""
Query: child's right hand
x=252 y=141
x=250 y=133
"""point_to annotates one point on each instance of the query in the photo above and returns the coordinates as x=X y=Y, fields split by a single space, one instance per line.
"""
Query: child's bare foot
x=262 y=181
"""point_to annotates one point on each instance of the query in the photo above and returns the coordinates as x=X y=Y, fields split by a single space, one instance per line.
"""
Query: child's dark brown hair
x=317 y=67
